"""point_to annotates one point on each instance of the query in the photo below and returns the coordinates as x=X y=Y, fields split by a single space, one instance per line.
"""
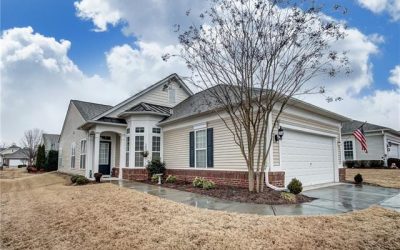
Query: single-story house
x=13 y=156
x=383 y=142
x=50 y=142
x=168 y=122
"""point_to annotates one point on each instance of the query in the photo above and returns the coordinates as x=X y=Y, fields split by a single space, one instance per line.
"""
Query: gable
x=73 y=119
x=156 y=94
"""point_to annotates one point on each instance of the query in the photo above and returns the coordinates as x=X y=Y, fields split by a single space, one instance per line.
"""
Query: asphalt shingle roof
x=148 y=107
x=90 y=110
x=349 y=127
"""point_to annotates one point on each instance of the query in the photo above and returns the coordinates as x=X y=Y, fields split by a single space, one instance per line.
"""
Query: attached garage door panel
x=307 y=157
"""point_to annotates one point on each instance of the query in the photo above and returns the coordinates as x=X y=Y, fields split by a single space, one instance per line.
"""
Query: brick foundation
x=227 y=178
x=138 y=174
x=342 y=174
x=277 y=178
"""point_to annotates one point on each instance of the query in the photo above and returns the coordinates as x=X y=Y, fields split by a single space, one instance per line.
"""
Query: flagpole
x=362 y=125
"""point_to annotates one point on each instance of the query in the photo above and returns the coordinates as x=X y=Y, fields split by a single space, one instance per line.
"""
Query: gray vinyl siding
x=69 y=135
x=156 y=96
x=375 y=148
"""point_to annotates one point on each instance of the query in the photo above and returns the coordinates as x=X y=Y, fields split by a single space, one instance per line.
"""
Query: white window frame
x=152 y=145
x=140 y=151
x=72 y=158
x=171 y=95
x=196 y=149
x=353 y=149
x=82 y=164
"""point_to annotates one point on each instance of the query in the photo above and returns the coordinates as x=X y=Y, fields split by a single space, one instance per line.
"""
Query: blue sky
x=58 y=19
x=123 y=56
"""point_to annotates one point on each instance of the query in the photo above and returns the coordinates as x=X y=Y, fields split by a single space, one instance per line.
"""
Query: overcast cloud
x=38 y=78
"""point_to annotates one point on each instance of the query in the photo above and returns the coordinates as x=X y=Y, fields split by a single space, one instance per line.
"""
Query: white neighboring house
x=50 y=142
x=168 y=122
x=13 y=156
x=383 y=142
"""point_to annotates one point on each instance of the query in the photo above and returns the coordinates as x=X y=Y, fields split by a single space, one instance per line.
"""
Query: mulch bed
x=269 y=196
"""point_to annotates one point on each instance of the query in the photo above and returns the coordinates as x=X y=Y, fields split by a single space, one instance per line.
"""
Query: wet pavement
x=331 y=200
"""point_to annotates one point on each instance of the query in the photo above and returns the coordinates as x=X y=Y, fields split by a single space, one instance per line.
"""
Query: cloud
x=395 y=76
x=38 y=79
x=147 y=20
x=392 y=7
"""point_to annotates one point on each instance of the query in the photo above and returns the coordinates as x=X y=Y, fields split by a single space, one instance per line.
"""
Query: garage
x=307 y=157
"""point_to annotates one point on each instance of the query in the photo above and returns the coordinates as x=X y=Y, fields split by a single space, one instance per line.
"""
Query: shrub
x=41 y=157
x=364 y=164
x=73 y=178
x=295 y=186
x=170 y=179
x=376 y=164
x=52 y=161
x=200 y=182
x=154 y=178
x=396 y=161
x=156 y=167
x=288 y=196
x=81 y=180
x=21 y=166
x=358 y=179
x=208 y=184
x=350 y=164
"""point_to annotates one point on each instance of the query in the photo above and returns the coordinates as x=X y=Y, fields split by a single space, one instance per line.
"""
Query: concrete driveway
x=331 y=200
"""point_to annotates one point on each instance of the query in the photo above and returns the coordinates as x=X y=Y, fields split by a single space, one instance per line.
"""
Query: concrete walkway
x=331 y=200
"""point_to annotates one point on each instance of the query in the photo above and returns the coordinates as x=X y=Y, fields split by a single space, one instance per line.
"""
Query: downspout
x=268 y=166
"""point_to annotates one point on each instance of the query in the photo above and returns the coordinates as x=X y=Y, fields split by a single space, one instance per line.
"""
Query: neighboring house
x=383 y=142
x=50 y=142
x=170 y=123
x=13 y=156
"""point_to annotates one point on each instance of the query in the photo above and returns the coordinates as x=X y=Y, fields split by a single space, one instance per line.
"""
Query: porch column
x=96 y=152
x=122 y=154
x=89 y=155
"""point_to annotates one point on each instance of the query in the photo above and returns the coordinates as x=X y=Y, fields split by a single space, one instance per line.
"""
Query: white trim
x=199 y=126
x=307 y=130
x=195 y=149
x=141 y=93
x=85 y=154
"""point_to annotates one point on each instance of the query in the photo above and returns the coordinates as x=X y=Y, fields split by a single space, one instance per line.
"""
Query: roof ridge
x=74 y=100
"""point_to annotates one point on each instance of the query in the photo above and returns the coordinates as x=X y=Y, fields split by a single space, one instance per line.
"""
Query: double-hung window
x=348 y=150
x=83 y=155
x=73 y=155
x=201 y=148
x=156 y=148
x=139 y=149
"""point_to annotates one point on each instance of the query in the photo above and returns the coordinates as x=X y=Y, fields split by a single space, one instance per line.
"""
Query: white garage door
x=307 y=157
x=394 y=151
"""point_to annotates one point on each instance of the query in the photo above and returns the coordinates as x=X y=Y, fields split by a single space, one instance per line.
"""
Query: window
x=348 y=150
x=73 y=155
x=60 y=157
x=156 y=148
x=53 y=146
x=201 y=148
x=83 y=155
x=128 y=131
x=156 y=130
x=139 y=129
x=171 y=95
x=139 y=148
x=127 y=151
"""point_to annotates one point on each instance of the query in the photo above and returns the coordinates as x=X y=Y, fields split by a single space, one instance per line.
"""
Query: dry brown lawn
x=41 y=212
x=13 y=173
x=381 y=177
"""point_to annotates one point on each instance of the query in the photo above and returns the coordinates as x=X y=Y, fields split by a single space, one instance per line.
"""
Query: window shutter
x=210 y=148
x=191 y=149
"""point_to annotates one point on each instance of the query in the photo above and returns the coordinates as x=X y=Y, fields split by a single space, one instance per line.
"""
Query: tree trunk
x=257 y=182
x=262 y=182
x=251 y=180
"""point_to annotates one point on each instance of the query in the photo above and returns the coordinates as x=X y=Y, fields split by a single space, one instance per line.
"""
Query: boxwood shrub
x=295 y=186
x=365 y=164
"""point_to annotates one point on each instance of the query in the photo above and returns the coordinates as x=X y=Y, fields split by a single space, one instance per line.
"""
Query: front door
x=104 y=157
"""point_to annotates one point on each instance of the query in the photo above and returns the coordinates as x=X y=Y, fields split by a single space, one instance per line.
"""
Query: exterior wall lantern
x=279 y=136
x=389 y=144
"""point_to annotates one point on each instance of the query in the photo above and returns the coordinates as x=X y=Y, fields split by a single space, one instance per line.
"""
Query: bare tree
x=30 y=144
x=255 y=56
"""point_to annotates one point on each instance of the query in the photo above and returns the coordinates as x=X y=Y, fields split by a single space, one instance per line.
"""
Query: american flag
x=359 y=135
